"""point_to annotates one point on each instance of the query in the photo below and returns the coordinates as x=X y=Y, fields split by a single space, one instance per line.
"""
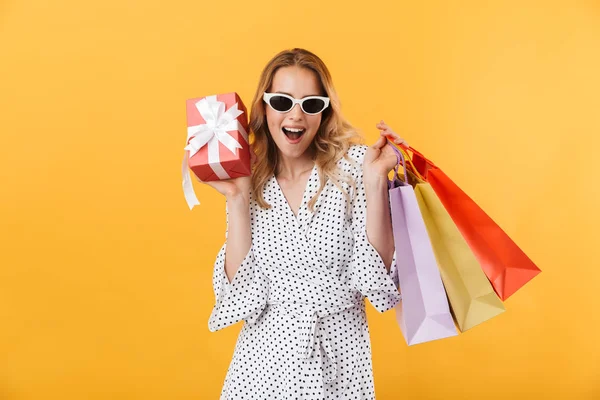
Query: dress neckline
x=304 y=193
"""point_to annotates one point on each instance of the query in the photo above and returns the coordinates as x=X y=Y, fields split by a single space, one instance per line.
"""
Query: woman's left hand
x=380 y=158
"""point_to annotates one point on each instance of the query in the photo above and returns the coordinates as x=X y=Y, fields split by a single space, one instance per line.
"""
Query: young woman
x=308 y=237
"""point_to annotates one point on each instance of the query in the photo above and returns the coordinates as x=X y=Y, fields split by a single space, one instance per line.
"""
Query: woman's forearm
x=379 y=221
x=239 y=235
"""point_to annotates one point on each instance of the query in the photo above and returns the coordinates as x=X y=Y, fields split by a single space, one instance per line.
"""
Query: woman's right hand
x=233 y=187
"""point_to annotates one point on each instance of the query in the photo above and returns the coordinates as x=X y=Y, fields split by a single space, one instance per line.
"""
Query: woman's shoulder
x=357 y=151
x=356 y=154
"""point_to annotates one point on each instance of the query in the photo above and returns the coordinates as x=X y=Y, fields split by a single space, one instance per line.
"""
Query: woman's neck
x=292 y=169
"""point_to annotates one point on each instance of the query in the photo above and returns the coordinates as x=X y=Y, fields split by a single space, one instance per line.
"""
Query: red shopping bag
x=507 y=267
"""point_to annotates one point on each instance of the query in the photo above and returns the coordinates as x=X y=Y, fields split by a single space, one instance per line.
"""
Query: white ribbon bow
x=213 y=132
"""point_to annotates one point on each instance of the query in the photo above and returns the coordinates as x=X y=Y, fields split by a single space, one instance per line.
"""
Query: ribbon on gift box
x=214 y=131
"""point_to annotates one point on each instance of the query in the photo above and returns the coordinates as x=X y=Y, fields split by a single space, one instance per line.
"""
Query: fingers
x=399 y=141
x=386 y=131
x=393 y=137
x=382 y=124
x=379 y=143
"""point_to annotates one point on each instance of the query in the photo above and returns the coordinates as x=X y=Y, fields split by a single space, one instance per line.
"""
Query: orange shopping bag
x=507 y=267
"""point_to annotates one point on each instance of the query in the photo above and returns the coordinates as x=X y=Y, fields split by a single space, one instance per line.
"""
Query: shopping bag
x=472 y=298
x=423 y=314
x=507 y=267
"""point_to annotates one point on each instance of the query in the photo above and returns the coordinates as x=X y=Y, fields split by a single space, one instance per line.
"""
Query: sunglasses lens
x=313 y=106
x=281 y=103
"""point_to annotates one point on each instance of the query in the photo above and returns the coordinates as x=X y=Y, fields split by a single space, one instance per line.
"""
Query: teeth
x=294 y=130
x=293 y=133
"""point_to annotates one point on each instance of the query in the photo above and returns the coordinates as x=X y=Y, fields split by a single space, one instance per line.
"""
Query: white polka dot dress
x=300 y=291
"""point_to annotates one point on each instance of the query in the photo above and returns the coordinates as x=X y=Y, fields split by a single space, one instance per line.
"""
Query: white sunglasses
x=283 y=103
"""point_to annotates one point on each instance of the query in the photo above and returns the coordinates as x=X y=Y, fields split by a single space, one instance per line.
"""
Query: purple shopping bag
x=423 y=314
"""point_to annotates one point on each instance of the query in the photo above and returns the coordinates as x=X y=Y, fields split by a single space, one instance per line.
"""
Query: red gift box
x=217 y=143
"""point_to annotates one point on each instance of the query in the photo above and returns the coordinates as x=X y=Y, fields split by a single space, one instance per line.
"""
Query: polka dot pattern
x=300 y=291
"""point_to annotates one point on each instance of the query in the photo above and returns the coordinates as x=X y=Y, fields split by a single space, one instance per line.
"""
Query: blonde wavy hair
x=332 y=141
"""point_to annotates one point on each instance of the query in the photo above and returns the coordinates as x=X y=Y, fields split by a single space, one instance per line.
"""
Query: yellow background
x=105 y=279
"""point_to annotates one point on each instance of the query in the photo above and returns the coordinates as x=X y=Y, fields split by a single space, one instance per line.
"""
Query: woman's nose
x=296 y=111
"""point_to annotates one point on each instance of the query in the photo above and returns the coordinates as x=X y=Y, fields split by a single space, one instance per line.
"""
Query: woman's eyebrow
x=289 y=94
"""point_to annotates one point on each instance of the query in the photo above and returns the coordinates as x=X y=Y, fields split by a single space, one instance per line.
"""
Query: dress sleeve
x=244 y=298
x=368 y=272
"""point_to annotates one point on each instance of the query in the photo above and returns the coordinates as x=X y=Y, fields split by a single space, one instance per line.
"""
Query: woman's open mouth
x=293 y=135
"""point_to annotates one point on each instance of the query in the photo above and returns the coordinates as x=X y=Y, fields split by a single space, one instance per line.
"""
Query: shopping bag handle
x=401 y=154
x=412 y=150
x=424 y=163
x=420 y=178
x=401 y=161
